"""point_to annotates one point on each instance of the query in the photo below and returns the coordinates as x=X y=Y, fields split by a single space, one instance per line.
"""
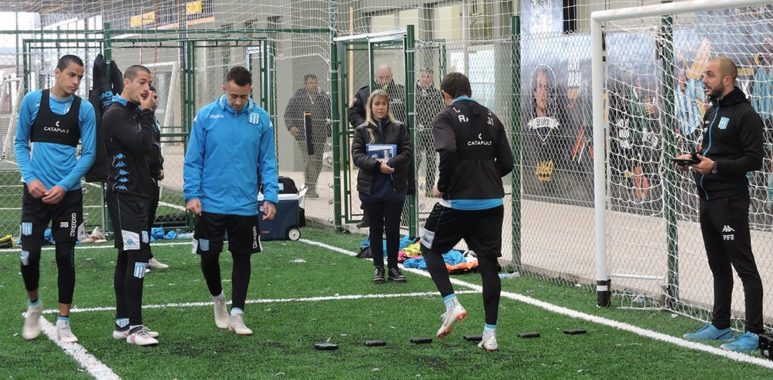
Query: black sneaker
x=395 y=275
x=378 y=275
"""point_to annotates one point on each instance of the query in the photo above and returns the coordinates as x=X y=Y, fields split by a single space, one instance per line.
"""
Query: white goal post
x=601 y=125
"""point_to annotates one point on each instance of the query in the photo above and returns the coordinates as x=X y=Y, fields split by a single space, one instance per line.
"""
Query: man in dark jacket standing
x=732 y=146
x=474 y=156
x=128 y=124
x=310 y=100
x=384 y=82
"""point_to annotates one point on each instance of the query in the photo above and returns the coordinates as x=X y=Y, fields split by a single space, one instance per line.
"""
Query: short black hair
x=133 y=70
x=66 y=60
x=309 y=76
x=456 y=85
x=239 y=75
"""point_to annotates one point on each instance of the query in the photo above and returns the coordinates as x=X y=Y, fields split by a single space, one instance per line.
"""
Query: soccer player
x=156 y=169
x=732 y=146
x=231 y=141
x=474 y=156
x=50 y=124
x=128 y=130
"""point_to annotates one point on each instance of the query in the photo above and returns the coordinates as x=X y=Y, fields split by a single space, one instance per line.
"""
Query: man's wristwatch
x=714 y=168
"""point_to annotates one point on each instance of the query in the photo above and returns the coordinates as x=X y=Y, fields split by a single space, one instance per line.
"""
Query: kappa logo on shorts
x=131 y=240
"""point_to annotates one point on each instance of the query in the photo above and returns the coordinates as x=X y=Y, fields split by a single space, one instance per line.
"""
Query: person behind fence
x=50 y=124
x=310 y=99
x=474 y=156
x=231 y=140
x=732 y=146
x=429 y=102
x=381 y=149
x=128 y=133
x=156 y=170
x=357 y=114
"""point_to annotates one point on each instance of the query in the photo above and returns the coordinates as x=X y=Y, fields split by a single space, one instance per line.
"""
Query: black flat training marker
x=421 y=340
x=326 y=346
x=473 y=338
x=575 y=331
x=375 y=343
x=531 y=334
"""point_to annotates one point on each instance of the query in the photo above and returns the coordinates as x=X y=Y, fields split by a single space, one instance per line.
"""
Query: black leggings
x=492 y=285
x=128 y=281
x=240 y=275
x=384 y=217
x=65 y=263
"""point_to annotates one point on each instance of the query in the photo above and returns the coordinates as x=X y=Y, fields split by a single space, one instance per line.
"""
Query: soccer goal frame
x=600 y=125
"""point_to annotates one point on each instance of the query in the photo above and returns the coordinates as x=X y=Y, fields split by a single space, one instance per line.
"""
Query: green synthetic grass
x=192 y=347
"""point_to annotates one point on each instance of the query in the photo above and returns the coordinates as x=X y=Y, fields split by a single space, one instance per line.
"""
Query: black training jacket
x=128 y=135
x=474 y=151
x=392 y=133
x=732 y=136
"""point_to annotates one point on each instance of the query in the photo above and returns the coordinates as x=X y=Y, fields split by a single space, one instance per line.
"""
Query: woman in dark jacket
x=382 y=150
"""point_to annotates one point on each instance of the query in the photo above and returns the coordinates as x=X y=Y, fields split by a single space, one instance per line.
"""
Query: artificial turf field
x=302 y=293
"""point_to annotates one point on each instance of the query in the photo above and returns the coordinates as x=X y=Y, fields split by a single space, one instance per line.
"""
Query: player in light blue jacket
x=231 y=146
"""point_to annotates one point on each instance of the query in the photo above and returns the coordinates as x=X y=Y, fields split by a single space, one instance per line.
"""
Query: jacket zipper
x=706 y=151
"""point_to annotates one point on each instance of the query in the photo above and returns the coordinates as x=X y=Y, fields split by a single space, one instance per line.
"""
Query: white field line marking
x=172 y=205
x=80 y=247
x=345 y=297
x=737 y=356
x=90 y=363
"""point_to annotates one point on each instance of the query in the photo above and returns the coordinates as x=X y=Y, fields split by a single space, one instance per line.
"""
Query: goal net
x=654 y=107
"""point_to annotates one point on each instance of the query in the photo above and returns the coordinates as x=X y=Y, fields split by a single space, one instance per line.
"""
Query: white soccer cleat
x=63 y=332
x=489 y=343
x=31 y=328
x=456 y=314
x=155 y=264
x=221 y=312
x=236 y=324
x=124 y=333
x=141 y=338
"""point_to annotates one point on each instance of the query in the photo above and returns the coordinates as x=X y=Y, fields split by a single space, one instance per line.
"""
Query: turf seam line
x=346 y=297
x=82 y=356
x=736 y=356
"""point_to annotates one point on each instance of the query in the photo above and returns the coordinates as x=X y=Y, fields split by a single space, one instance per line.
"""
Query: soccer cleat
x=155 y=264
x=221 y=312
x=236 y=324
x=123 y=333
x=395 y=275
x=489 y=343
x=31 y=328
x=709 y=332
x=141 y=337
x=63 y=332
x=456 y=314
x=747 y=341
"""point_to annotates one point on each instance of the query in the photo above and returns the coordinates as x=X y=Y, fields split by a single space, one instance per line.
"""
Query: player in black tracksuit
x=128 y=124
x=474 y=156
x=732 y=146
